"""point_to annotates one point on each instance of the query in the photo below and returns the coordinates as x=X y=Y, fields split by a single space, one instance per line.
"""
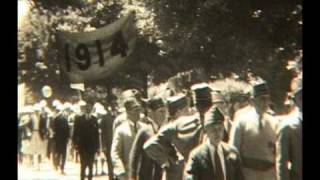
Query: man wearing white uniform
x=123 y=138
x=254 y=135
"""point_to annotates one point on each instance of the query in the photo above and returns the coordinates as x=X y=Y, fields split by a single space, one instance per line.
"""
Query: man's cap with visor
x=156 y=103
x=176 y=103
x=203 y=97
x=213 y=116
x=260 y=89
x=131 y=103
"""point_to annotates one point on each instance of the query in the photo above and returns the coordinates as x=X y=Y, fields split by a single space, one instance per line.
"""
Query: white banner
x=90 y=56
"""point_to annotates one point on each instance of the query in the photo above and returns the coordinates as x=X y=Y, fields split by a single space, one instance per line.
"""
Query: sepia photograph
x=159 y=90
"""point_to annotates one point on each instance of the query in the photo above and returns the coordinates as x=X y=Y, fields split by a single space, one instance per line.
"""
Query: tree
x=221 y=36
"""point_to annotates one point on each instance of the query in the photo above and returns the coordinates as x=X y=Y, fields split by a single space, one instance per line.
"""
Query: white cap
x=82 y=103
x=97 y=105
x=67 y=105
x=56 y=103
x=199 y=85
x=99 y=109
x=175 y=98
x=60 y=107
x=43 y=103
x=76 y=108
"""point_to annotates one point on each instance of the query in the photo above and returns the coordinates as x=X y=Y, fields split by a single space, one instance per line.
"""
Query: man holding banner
x=61 y=137
x=86 y=139
x=92 y=56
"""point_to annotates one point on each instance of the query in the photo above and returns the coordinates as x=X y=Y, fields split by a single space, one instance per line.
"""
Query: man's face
x=160 y=114
x=215 y=133
x=85 y=109
x=134 y=113
x=262 y=102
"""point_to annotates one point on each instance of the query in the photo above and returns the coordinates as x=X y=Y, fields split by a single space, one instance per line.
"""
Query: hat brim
x=213 y=123
x=134 y=107
x=260 y=95
x=218 y=101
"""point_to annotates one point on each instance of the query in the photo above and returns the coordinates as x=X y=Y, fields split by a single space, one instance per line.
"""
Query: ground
x=47 y=172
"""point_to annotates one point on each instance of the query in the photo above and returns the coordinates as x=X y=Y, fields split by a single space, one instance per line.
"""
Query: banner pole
x=79 y=93
x=146 y=93
x=80 y=96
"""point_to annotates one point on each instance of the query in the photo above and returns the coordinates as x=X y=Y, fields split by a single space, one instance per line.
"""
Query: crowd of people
x=192 y=135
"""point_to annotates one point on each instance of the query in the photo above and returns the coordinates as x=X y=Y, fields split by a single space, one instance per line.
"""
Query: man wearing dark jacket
x=61 y=137
x=51 y=140
x=86 y=139
x=105 y=123
x=289 y=143
x=43 y=124
x=214 y=159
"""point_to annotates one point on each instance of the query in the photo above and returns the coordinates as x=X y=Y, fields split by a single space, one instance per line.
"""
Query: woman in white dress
x=37 y=145
x=25 y=122
x=25 y=133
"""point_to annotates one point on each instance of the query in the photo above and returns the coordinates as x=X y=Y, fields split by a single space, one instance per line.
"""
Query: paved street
x=47 y=172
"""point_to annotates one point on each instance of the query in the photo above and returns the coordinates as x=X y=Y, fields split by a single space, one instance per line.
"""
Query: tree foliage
x=223 y=37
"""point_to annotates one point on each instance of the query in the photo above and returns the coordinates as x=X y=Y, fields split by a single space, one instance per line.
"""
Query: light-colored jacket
x=123 y=138
x=255 y=143
x=119 y=120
